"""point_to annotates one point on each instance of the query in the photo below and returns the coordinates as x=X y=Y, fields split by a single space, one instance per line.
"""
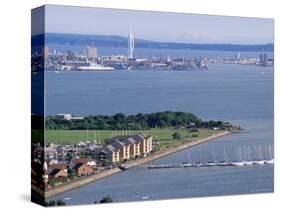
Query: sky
x=159 y=26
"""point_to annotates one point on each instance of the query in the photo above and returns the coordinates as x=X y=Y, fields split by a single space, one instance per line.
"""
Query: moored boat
x=269 y=161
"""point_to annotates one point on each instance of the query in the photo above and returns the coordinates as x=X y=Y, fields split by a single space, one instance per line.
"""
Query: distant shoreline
x=90 y=179
x=121 y=41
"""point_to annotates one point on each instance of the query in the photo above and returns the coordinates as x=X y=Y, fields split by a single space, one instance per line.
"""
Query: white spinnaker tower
x=131 y=44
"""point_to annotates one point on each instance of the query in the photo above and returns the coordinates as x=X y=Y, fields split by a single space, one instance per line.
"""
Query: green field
x=164 y=136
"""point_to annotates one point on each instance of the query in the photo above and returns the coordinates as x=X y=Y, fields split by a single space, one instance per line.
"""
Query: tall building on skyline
x=45 y=52
x=238 y=56
x=131 y=44
x=91 y=52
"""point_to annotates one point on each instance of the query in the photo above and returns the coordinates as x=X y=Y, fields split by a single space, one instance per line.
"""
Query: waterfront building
x=129 y=147
x=123 y=147
x=91 y=52
x=71 y=55
x=83 y=170
x=134 y=147
x=60 y=166
x=263 y=59
x=108 y=154
x=45 y=52
x=87 y=161
x=58 y=173
x=145 y=143
x=131 y=44
x=68 y=117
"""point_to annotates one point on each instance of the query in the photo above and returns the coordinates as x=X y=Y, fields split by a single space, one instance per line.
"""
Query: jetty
x=211 y=164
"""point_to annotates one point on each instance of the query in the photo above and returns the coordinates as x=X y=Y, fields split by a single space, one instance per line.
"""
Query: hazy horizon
x=136 y=38
x=159 y=26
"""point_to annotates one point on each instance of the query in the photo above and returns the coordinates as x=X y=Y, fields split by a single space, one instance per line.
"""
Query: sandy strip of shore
x=89 y=179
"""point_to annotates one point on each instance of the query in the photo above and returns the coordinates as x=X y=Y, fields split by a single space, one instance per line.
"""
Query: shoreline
x=130 y=164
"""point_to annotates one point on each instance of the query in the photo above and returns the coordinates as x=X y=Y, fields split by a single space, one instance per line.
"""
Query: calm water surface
x=240 y=94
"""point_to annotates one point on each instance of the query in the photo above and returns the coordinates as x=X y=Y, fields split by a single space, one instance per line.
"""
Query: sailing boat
x=258 y=161
x=188 y=163
x=240 y=162
x=270 y=160
x=212 y=163
x=224 y=162
x=248 y=162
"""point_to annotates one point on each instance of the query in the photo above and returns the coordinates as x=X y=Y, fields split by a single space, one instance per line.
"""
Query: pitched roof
x=117 y=144
x=132 y=140
x=109 y=149
x=55 y=171
x=80 y=160
x=78 y=165
x=115 y=138
x=138 y=137
x=58 y=166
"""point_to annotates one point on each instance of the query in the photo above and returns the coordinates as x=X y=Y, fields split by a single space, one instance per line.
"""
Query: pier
x=211 y=164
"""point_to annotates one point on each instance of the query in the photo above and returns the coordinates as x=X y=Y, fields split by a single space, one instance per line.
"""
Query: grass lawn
x=164 y=136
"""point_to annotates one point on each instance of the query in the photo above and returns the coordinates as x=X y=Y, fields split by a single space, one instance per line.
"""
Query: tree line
x=140 y=121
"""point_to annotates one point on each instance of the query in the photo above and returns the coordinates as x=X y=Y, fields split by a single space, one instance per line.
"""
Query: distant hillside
x=119 y=41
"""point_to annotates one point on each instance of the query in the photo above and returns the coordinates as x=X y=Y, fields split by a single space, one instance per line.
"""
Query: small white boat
x=197 y=164
x=223 y=163
x=94 y=67
x=269 y=161
x=145 y=197
x=248 y=163
x=210 y=164
x=67 y=198
x=237 y=163
x=186 y=165
x=258 y=162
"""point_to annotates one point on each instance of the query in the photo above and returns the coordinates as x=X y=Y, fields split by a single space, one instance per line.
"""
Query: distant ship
x=95 y=67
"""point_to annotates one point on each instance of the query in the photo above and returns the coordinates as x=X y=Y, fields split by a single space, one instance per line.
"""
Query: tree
x=106 y=199
x=54 y=203
x=51 y=203
x=52 y=181
x=60 y=202
x=139 y=121
x=176 y=135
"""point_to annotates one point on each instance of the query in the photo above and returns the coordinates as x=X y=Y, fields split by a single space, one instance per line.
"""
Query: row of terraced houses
x=123 y=148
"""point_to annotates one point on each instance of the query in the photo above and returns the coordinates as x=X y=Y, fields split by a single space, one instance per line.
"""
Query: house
x=129 y=147
x=57 y=171
x=134 y=147
x=145 y=143
x=123 y=147
x=88 y=161
x=107 y=154
x=83 y=170
x=113 y=153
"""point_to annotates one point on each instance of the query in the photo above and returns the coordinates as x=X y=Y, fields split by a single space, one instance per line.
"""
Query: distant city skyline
x=159 y=26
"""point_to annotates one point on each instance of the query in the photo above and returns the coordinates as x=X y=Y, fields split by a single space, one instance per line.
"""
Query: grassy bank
x=164 y=136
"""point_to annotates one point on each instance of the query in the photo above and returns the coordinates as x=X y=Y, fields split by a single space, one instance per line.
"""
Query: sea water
x=240 y=94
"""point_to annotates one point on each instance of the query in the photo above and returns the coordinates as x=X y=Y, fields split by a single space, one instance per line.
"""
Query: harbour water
x=240 y=94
